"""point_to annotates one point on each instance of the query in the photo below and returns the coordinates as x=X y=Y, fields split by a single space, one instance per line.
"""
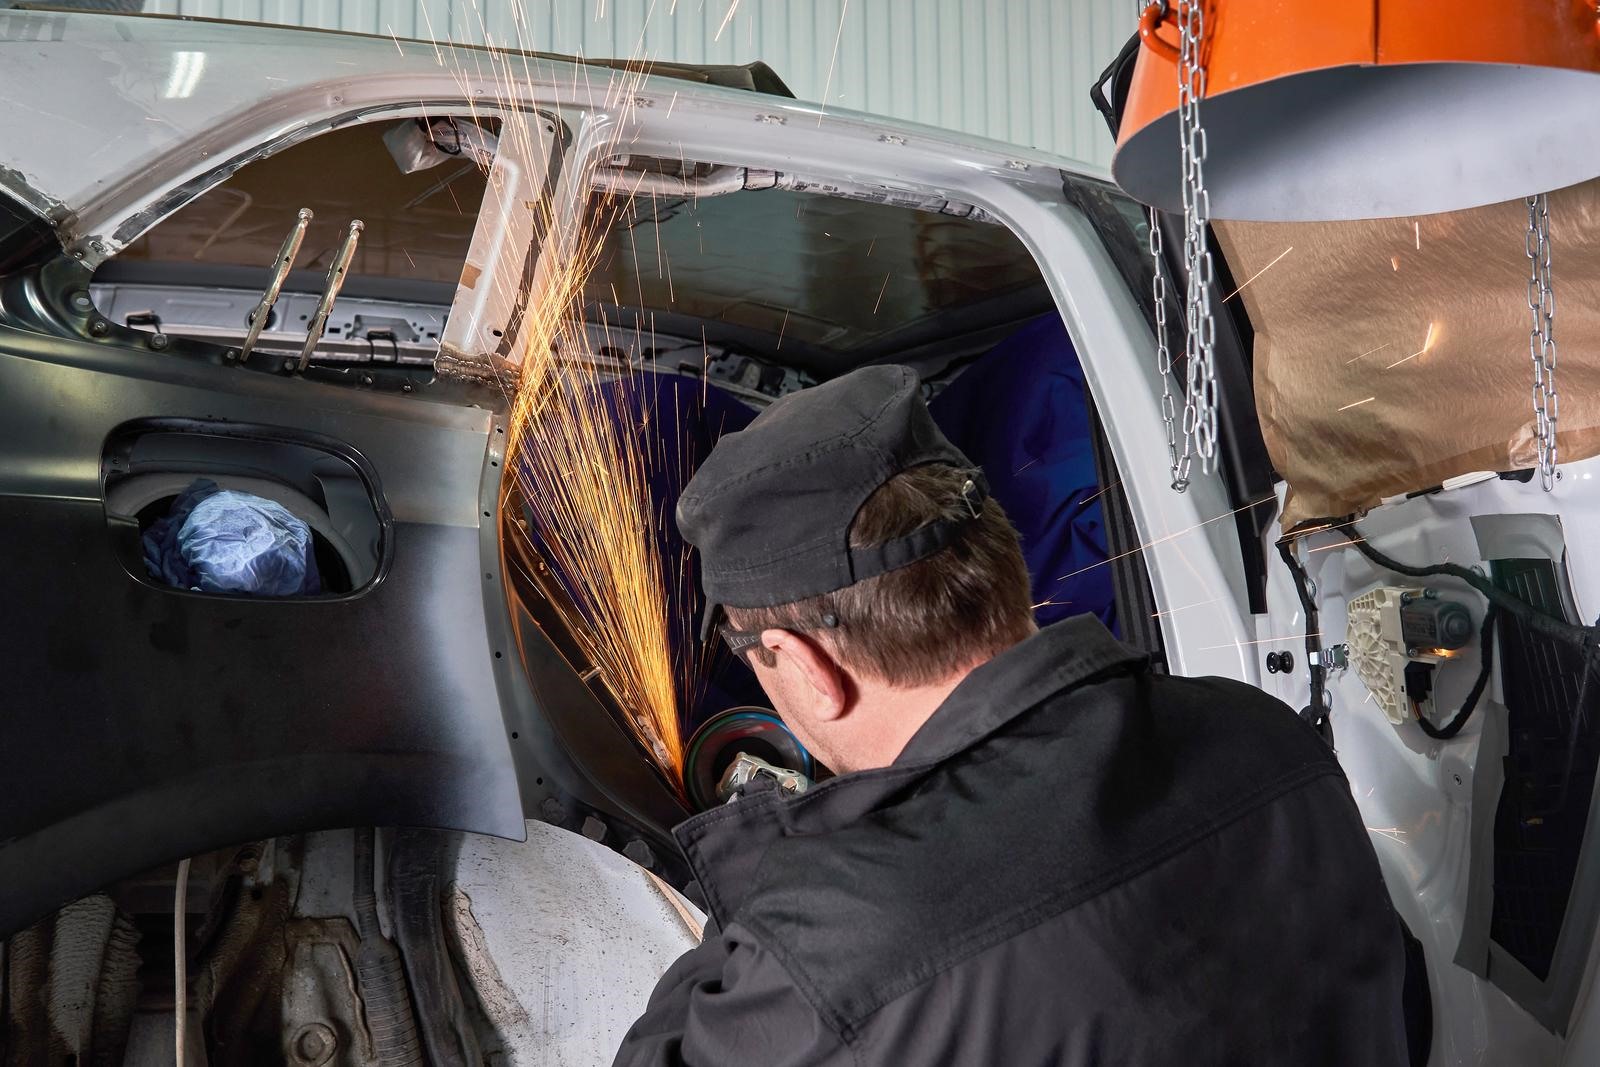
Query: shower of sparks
x=1358 y=403
x=837 y=37
x=1258 y=274
x=881 y=290
x=1091 y=499
x=1168 y=537
x=1337 y=544
x=725 y=20
x=576 y=460
x=1368 y=352
x=1418 y=232
x=1262 y=641
x=1186 y=607
x=1427 y=343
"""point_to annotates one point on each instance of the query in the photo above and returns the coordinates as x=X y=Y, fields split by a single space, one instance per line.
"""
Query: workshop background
x=1013 y=70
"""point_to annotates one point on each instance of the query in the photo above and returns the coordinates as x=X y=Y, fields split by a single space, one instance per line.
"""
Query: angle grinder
x=733 y=747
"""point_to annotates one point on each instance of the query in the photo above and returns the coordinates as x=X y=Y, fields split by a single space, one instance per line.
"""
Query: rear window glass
x=418 y=226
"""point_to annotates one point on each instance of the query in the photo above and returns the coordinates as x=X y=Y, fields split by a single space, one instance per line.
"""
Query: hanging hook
x=1150 y=22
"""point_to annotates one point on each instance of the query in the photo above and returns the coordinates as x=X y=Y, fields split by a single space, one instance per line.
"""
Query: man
x=1037 y=850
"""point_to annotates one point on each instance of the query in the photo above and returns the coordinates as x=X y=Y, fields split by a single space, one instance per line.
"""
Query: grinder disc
x=756 y=731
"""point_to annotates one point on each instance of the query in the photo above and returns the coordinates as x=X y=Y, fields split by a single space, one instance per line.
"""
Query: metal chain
x=1200 y=398
x=1169 y=411
x=1542 y=337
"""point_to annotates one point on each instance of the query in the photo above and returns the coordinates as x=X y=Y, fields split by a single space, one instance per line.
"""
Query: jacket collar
x=1056 y=658
x=725 y=846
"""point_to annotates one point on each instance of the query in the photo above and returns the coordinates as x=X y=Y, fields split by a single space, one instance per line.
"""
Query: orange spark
x=1258 y=274
x=1427 y=343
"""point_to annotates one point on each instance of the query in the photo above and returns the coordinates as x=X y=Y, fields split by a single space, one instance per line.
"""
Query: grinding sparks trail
x=1368 y=352
x=1168 y=537
x=1258 y=274
x=577 y=459
x=1427 y=343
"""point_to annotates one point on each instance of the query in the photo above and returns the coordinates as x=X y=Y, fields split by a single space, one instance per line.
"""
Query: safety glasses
x=740 y=642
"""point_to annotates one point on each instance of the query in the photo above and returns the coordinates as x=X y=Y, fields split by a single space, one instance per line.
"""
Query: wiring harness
x=1585 y=638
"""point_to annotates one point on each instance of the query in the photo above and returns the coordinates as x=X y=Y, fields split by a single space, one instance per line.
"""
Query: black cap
x=770 y=509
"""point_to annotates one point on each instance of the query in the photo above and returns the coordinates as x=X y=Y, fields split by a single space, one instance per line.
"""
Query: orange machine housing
x=1431 y=106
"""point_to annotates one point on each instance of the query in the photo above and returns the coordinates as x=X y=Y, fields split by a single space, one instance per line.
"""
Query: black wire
x=1486 y=658
x=1587 y=638
x=1539 y=621
x=1317 y=713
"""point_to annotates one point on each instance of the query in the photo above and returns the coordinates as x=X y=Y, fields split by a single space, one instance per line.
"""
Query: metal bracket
x=280 y=271
x=330 y=291
x=1331 y=658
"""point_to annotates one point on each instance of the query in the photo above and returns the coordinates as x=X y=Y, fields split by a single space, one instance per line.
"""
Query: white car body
x=142 y=113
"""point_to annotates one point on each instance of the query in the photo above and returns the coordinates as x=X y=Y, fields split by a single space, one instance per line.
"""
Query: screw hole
x=538 y=781
x=497 y=655
x=488 y=514
x=488 y=577
x=513 y=735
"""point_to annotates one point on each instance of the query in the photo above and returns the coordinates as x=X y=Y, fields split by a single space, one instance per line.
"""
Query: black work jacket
x=1075 y=861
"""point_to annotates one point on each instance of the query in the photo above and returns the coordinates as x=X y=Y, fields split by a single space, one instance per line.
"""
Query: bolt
x=1406 y=598
x=231 y=355
x=1431 y=594
x=366 y=379
x=1411 y=653
x=593 y=828
x=98 y=327
x=314 y=1044
x=640 y=852
x=1457 y=777
x=406 y=387
x=552 y=811
x=158 y=341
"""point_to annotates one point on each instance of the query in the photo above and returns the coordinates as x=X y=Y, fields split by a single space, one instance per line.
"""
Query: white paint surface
x=564 y=940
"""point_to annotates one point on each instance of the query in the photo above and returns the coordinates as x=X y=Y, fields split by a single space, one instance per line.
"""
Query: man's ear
x=814 y=668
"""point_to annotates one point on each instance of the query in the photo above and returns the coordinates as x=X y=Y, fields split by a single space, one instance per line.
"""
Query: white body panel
x=564 y=940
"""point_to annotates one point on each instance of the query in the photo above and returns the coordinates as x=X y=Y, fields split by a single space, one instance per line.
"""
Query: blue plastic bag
x=221 y=541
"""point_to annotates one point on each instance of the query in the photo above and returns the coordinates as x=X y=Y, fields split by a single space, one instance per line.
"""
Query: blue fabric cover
x=220 y=541
x=1020 y=412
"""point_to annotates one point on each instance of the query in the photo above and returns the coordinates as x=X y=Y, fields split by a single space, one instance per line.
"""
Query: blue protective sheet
x=217 y=540
x=1020 y=412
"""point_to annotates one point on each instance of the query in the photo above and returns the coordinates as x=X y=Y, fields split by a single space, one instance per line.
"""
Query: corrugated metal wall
x=1016 y=70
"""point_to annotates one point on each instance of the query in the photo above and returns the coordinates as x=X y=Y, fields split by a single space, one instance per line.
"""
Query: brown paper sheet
x=1393 y=354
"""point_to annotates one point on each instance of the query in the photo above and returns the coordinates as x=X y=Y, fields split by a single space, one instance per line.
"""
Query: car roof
x=105 y=111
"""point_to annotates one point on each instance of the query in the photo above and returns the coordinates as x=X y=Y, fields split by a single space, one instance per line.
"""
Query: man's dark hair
x=917 y=624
